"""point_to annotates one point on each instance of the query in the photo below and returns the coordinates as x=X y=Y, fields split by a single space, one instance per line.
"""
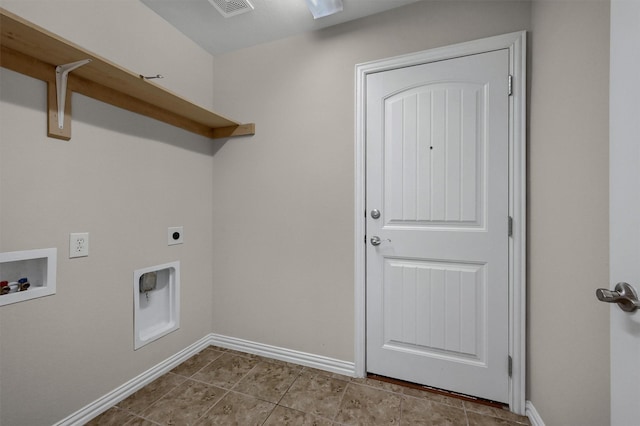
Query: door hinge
x=510 y=226
x=510 y=365
x=510 y=85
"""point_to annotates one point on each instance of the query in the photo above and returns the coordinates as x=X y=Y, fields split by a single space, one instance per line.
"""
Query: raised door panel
x=434 y=170
x=435 y=309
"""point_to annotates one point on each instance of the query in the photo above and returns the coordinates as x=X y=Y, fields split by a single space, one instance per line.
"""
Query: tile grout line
x=290 y=386
x=214 y=405
x=283 y=395
x=466 y=414
x=277 y=404
x=145 y=419
x=344 y=392
x=185 y=378
x=155 y=400
x=270 y=413
x=226 y=391
x=245 y=376
x=313 y=374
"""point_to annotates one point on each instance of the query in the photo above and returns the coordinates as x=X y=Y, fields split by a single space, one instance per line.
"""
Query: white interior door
x=437 y=171
x=625 y=207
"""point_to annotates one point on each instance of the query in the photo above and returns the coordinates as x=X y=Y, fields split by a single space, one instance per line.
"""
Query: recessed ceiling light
x=322 y=8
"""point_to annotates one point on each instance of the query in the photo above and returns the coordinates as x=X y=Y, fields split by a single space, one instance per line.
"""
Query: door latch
x=624 y=295
x=376 y=241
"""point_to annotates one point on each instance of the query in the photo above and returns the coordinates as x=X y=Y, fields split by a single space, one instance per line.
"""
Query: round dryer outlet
x=175 y=235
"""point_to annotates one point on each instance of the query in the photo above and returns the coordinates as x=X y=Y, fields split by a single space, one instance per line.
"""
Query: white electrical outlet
x=175 y=235
x=78 y=244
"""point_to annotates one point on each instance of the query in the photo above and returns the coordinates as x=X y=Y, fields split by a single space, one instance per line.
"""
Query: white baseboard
x=533 y=415
x=296 y=357
x=107 y=401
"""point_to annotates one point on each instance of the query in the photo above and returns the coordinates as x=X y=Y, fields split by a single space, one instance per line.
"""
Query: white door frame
x=516 y=43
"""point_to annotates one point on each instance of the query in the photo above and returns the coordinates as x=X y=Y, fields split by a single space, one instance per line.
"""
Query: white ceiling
x=270 y=20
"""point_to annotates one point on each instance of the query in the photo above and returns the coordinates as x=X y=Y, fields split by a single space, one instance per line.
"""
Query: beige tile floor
x=224 y=387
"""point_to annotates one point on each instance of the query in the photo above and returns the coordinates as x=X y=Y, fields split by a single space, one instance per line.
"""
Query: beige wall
x=568 y=368
x=283 y=211
x=284 y=199
x=124 y=179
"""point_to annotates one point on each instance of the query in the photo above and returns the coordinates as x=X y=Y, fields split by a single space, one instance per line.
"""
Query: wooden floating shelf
x=31 y=50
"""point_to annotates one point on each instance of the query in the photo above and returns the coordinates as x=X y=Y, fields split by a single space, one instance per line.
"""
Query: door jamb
x=516 y=44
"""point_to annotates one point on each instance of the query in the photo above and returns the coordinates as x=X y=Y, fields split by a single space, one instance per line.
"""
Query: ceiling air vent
x=229 y=8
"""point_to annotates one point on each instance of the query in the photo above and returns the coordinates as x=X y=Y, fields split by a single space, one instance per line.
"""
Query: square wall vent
x=229 y=8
